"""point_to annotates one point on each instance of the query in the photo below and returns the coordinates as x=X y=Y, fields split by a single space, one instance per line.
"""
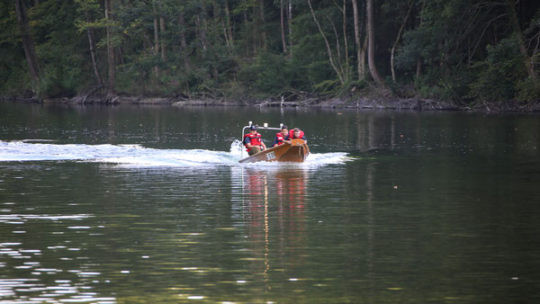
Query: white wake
x=138 y=156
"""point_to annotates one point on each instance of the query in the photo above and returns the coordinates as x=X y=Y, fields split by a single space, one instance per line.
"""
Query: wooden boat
x=296 y=151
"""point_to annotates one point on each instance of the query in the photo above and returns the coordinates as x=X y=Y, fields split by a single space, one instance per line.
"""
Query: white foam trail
x=12 y=217
x=237 y=149
x=22 y=151
x=322 y=159
x=138 y=156
x=133 y=155
x=146 y=157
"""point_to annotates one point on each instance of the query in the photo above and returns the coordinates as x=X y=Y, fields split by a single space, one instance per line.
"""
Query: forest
x=465 y=51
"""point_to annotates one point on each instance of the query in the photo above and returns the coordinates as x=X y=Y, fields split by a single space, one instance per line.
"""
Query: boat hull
x=296 y=151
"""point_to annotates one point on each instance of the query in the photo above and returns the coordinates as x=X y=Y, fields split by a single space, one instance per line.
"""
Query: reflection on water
x=31 y=243
x=274 y=201
x=244 y=235
x=149 y=205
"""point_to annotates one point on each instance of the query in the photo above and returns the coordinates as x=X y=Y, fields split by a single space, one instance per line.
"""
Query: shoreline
x=359 y=103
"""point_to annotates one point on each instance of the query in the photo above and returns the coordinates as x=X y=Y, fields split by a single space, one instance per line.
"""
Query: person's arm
x=275 y=143
x=263 y=145
x=247 y=142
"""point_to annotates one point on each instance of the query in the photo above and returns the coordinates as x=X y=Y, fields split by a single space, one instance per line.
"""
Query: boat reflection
x=273 y=212
x=291 y=195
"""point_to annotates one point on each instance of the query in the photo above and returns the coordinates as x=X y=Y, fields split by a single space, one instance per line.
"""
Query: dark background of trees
x=461 y=50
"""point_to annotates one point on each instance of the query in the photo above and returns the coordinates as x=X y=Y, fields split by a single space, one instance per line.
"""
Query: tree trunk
x=249 y=38
x=363 y=56
x=156 y=29
x=258 y=32
x=183 y=42
x=359 y=54
x=393 y=51
x=328 y=48
x=204 y=31
x=343 y=68
x=418 y=68
x=223 y=20
x=156 y=37
x=163 y=43
x=92 y=47
x=262 y=24
x=228 y=23
x=371 y=43
x=339 y=63
x=519 y=35
x=289 y=23
x=419 y=61
x=282 y=19
x=225 y=34
x=28 y=44
x=535 y=51
x=90 y=34
x=345 y=40
x=201 y=30
x=110 y=51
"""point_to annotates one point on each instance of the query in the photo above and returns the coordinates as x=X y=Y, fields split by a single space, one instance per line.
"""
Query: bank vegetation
x=466 y=52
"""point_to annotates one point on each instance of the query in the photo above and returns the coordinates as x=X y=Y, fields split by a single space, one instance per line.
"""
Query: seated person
x=253 y=141
x=296 y=134
x=280 y=136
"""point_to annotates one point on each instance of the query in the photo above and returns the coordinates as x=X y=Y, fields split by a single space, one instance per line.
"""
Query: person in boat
x=294 y=134
x=253 y=141
x=280 y=136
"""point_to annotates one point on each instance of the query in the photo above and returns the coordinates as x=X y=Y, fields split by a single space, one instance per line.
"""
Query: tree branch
x=327 y=44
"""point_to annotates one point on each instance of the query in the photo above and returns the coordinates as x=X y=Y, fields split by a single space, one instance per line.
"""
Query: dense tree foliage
x=463 y=50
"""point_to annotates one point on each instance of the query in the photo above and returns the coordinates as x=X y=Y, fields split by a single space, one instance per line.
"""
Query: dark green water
x=428 y=208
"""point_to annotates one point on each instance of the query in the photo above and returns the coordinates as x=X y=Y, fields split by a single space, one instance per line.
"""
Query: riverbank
x=358 y=103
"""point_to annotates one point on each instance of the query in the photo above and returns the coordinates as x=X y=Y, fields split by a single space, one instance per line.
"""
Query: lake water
x=132 y=204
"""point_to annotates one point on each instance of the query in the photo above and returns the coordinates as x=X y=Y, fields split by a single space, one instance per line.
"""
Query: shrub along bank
x=470 y=54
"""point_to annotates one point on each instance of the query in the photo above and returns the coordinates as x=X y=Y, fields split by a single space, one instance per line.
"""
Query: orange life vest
x=280 y=138
x=291 y=134
x=254 y=139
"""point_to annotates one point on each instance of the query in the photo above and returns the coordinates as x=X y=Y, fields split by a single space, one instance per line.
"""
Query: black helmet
x=253 y=127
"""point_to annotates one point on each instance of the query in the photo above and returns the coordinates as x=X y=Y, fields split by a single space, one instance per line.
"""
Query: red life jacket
x=291 y=134
x=280 y=138
x=255 y=140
